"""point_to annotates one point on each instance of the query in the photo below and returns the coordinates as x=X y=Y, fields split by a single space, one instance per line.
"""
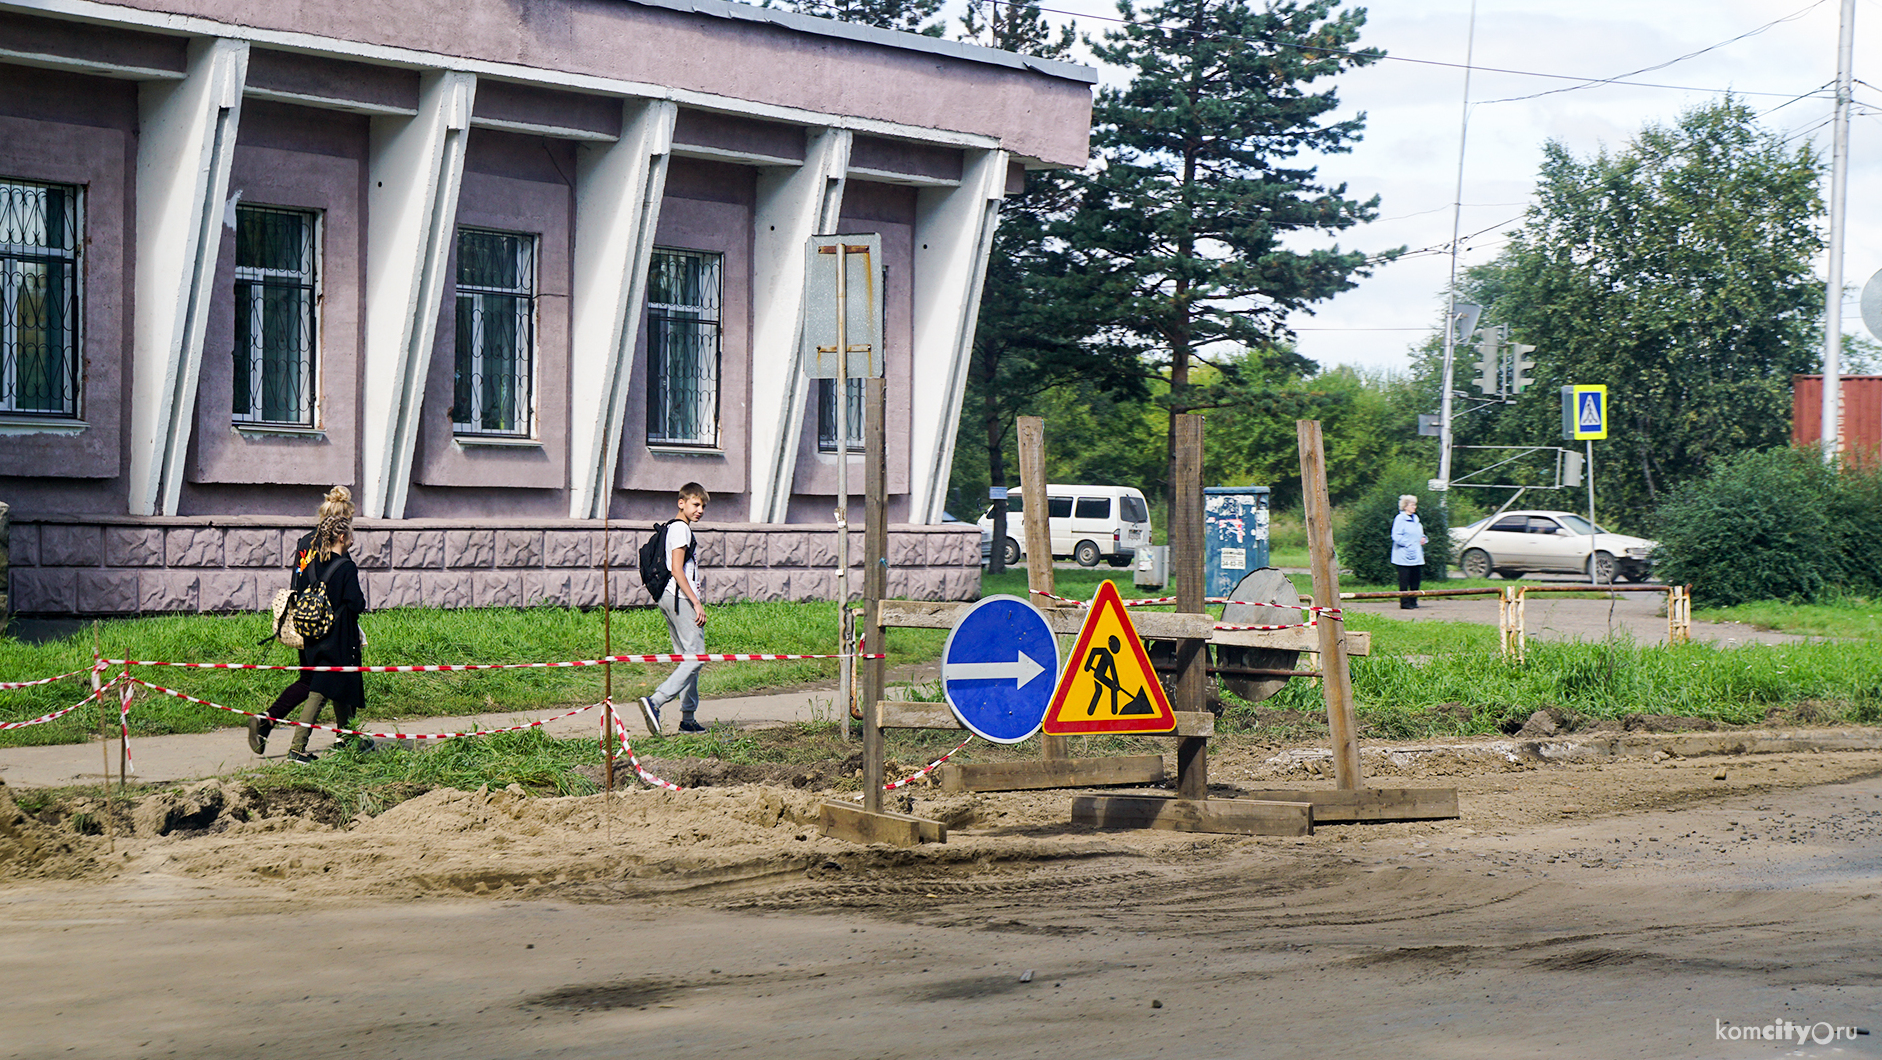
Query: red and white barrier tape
x=927 y=769
x=7 y=686
x=620 y=729
x=455 y=667
x=394 y=735
x=55 y=715
x=124 y=719
x=1331 y=612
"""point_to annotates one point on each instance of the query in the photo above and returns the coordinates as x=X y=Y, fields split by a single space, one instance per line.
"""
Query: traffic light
x=1522 y=369
x=1489 y=378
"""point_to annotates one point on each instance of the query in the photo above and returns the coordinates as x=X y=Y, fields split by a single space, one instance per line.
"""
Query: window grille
x=493 y=390
x=39 y=306
x=683 y=318
x=274 y=316
x=826 y=415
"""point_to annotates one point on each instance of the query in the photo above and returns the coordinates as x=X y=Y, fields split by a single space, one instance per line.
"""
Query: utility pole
x=1839 y=193
x=1450 y=307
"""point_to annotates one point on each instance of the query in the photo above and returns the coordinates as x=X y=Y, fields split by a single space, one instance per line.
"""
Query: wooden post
x=1336 y=677
x=1032 y=491
x=875 y=579
x=607 y=650
x=1191 y=691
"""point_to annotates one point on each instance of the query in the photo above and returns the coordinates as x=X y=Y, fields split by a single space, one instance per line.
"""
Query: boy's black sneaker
x=301 y=756
x=689 y=725
x=257 y=740
x=651 y=714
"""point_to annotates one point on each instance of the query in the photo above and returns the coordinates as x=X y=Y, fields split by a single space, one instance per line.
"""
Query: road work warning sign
x=1108 y=684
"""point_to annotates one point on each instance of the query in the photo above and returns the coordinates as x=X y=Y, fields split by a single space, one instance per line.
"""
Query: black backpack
x=311 y=610
x=654 y=573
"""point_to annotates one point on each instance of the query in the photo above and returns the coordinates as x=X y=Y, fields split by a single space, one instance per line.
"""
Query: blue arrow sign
x=999 y=668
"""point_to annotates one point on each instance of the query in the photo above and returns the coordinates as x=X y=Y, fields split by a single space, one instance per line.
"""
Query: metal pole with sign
x=1584 y=419
x=843 y=318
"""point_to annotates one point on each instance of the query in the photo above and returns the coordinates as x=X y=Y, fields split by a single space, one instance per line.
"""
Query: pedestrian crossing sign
x=1584 y=413
x=1108 y=685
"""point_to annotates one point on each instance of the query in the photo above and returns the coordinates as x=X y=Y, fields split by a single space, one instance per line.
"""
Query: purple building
x=499 y=266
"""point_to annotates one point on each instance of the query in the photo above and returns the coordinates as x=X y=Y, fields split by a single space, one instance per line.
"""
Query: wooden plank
x=1238 y=816
x=875 y=576
x=1336 y=677
x=1151 y=625
x=1038 y=521
x=1370 y=804
x=1300 y=638
x=904 y=714
x=1133 y=770
x=847 y=820
x=1189 y=690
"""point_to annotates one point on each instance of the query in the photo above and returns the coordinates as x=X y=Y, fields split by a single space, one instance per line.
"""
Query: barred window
x=39 y=309
x=826 y=415
x=683 y=300
x=274 y=316
x=493 y=392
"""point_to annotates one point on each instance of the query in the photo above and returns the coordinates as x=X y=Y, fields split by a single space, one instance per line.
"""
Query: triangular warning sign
x=1108 y=684
x=1591 y=411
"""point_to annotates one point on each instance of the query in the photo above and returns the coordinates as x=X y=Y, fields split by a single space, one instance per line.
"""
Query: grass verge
x=408 y=636
x=1850 y=617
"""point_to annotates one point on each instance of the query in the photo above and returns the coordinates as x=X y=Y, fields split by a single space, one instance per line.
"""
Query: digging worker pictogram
x=1102 y=663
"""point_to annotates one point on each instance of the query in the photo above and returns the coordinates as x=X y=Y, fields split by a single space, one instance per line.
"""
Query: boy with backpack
x=672 y=578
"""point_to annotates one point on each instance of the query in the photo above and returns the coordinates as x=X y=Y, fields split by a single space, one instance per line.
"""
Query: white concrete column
x=415 y=169
x=953 y=235
x=618 y=187
x=793 y=205
x=185 y=141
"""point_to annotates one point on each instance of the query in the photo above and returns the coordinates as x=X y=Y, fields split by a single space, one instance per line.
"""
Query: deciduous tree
x=1677 y=271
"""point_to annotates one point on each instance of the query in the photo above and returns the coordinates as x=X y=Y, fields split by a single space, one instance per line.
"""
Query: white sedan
x=1513 y=543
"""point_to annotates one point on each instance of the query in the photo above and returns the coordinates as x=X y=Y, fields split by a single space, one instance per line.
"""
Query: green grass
x=1412 y=697
x=1850 y=617
x=414 y=635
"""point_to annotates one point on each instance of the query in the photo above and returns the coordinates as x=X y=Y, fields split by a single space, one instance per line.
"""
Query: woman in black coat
x=337 y=502
x=333 y=568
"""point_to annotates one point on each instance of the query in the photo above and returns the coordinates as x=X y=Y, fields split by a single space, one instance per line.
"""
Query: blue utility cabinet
x=1234 y=534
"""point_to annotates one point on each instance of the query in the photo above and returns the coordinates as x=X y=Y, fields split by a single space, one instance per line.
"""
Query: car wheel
x=1476 y=563
x=1119 y=561
x=1086 y=554
x=1012 y=553
x=1508 y=573
x=1604 y=567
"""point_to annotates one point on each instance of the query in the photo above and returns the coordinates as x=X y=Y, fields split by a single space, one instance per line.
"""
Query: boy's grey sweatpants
x=688 y=639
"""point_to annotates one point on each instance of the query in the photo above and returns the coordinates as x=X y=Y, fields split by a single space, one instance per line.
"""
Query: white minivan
x=1088 y=523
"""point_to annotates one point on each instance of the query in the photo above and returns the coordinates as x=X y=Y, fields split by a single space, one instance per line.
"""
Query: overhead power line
x=1367 y=54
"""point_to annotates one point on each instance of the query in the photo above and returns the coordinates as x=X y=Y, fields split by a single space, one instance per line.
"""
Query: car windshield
x=1576 y=524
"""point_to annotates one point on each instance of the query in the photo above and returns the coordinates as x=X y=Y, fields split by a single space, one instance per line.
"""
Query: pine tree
x=1181 y=225
x=908 y=16
x=1035 y=329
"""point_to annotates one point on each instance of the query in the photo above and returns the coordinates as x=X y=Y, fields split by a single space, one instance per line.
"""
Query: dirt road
x=1636 y=908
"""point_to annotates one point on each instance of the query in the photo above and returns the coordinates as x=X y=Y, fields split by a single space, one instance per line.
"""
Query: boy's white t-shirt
x=680 y=535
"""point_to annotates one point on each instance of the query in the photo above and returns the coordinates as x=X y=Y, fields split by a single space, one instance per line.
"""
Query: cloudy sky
x=1414 y=103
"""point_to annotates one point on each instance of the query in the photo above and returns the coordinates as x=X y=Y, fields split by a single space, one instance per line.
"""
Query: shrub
x=1364 y=537
x=1765 y=525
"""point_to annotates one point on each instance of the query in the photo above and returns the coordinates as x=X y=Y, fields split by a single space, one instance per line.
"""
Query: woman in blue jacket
x=1408 y=549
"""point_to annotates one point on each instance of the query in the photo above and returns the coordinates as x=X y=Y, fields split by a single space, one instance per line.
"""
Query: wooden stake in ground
x=607 y=652
x=1191 y=687
x=1336 y=677
x=1032 y=491
x=875 y=580
x=104 y=734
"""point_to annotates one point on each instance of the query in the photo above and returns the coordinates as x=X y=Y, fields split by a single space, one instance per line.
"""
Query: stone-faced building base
x=126 y=565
